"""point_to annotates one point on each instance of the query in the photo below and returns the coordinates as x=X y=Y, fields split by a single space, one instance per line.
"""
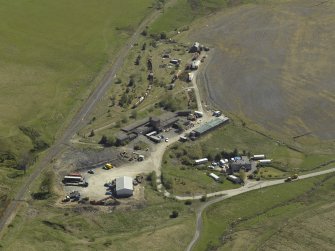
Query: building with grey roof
x=237 y=165
x=124 y=186
x=209 y=126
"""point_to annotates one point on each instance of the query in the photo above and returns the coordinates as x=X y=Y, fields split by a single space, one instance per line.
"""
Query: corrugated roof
x=211 y=124
x=124 y=182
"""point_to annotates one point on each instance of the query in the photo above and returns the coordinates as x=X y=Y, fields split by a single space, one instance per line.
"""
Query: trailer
x=214 y=176
x=183 y=139
x=201 y=161
x=198 y=114
x=151 y=133
x=190 y=76
x=234 y=179
x=72 y=179
x=258 y=157
x=264 y=161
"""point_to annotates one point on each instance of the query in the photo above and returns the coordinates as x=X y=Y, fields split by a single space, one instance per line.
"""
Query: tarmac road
x=254 y=185
x=77 y=122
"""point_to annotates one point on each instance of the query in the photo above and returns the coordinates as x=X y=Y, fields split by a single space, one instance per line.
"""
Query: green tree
x=134 y=114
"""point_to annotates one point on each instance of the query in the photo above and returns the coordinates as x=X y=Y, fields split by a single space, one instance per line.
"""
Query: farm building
x=122 y=138
x=210 y=126
x=124 y=186
x=164 y=121
x=146 y=126
x=241 y=163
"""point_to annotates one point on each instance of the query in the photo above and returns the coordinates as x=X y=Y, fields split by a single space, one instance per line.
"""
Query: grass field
x=184 y=12
x=110 y=111
x=52 y=54
x=187 y=179
x=41 y=225
x=295 y=216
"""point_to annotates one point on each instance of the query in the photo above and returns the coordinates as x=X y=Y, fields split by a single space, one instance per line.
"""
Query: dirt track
x=254 y=185
x=274 y=63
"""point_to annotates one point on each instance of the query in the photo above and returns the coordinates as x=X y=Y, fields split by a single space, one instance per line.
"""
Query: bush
x=188 y=202
x=108 y=141
x=167 y=182
x=174 y=214
x=153 y=179
x=163 y=35
x=91 y=133
x=46 y=187
x=203 y=198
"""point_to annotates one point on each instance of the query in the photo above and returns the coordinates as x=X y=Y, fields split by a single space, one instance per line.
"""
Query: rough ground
x=274 y=64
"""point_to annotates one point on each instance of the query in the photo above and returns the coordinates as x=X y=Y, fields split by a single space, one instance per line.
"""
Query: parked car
x=167 y=140
x=90 y=171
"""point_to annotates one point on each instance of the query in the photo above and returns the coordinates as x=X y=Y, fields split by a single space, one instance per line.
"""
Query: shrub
x=174 y=214
x=203 y=198
x=188 y=202
x=153 y=179
x=167 y=182
x=46 y=187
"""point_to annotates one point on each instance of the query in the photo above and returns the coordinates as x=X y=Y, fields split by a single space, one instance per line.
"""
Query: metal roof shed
x=124 y=186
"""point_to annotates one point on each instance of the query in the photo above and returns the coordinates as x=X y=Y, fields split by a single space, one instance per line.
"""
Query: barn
x=124 y=186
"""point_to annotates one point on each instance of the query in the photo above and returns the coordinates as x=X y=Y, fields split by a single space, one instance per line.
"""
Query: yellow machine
x=108 y=166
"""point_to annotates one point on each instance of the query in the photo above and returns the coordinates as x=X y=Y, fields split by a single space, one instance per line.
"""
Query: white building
x=124 y=186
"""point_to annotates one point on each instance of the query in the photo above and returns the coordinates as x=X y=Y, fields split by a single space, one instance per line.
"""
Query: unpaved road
x=254 y=185
x=78 y=121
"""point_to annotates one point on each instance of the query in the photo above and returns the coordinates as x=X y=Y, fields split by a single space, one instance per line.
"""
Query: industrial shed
x=210 y=125
x=124 y=186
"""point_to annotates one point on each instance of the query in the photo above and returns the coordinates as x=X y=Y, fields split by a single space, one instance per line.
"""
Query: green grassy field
x=110 y=112
x=52 y=54
x=286 y=217
x=41 y=225
x=187 y=179
x=184 y=12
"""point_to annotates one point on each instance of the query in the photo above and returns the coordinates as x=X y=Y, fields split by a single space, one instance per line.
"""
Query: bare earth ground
x=274 y=64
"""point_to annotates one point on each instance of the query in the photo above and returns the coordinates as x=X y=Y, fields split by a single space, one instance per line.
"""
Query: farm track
x=234 y=192
x=77 y=122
